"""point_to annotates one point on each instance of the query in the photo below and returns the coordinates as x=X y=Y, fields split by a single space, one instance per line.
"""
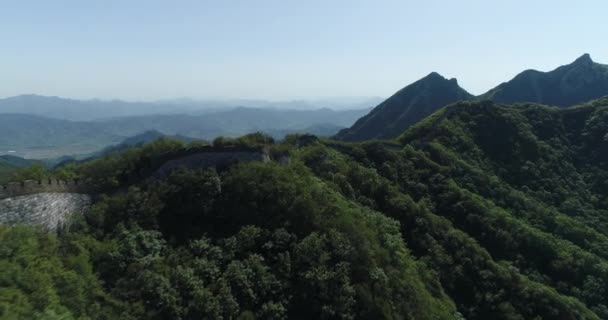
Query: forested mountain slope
x=6 y=169
x=580 y=81
x=481 y=211
x=261 y=240
x=11 y=164
x=406 y=107
x=515 y=197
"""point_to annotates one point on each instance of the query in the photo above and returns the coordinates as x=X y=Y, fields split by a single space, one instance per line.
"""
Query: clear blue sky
x=282 y=49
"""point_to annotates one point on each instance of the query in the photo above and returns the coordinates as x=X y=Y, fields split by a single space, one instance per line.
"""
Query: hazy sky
x=281 y=49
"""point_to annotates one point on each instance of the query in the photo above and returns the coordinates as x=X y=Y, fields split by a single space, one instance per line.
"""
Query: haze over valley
x=47 y=127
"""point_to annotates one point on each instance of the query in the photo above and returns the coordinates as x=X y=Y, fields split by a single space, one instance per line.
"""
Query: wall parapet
x=158 y=167
x=216 y=159
x=26 y=187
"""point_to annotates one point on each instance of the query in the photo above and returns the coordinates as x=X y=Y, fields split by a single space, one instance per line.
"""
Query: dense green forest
x=480 y=211
x=10 y=166
x=6 y=170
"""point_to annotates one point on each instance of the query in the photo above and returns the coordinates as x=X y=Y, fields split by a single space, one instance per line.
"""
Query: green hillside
x=6 y=170
x=481 y=211
x=11 y=164
x=501 y=202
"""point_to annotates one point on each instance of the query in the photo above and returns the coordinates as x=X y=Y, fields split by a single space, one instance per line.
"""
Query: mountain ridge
x=406 y=107
x=577 y=82
x=580 y=81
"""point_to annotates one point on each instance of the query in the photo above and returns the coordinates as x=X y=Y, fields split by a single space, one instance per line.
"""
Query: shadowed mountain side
x=580 y=81
x=406 y=107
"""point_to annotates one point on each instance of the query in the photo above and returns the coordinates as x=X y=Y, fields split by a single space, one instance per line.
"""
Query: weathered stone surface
x=50 y=210
x=15 y=189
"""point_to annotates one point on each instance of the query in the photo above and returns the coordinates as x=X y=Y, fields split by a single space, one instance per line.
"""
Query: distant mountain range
x=87 y=110
x=84 y=110
x=33 y=136
x=234 y=122
x=578 y=82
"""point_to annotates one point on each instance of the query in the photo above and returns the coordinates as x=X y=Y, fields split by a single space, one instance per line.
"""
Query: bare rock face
x=49 y=210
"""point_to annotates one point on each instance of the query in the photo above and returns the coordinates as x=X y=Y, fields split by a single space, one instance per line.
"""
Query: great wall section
x=28 y=187
x=50 y=210
x=50 y=202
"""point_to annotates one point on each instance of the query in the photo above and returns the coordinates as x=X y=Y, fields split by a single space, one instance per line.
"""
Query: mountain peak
x=567 y=85
x=585 y=58
x=433 y=76
x=406 y=107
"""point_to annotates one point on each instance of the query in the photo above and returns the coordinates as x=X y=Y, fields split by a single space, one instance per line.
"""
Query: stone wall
x=15 y=189
x=49 y=203
x=208 y=159
x=197 y=157
x=49 y=210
